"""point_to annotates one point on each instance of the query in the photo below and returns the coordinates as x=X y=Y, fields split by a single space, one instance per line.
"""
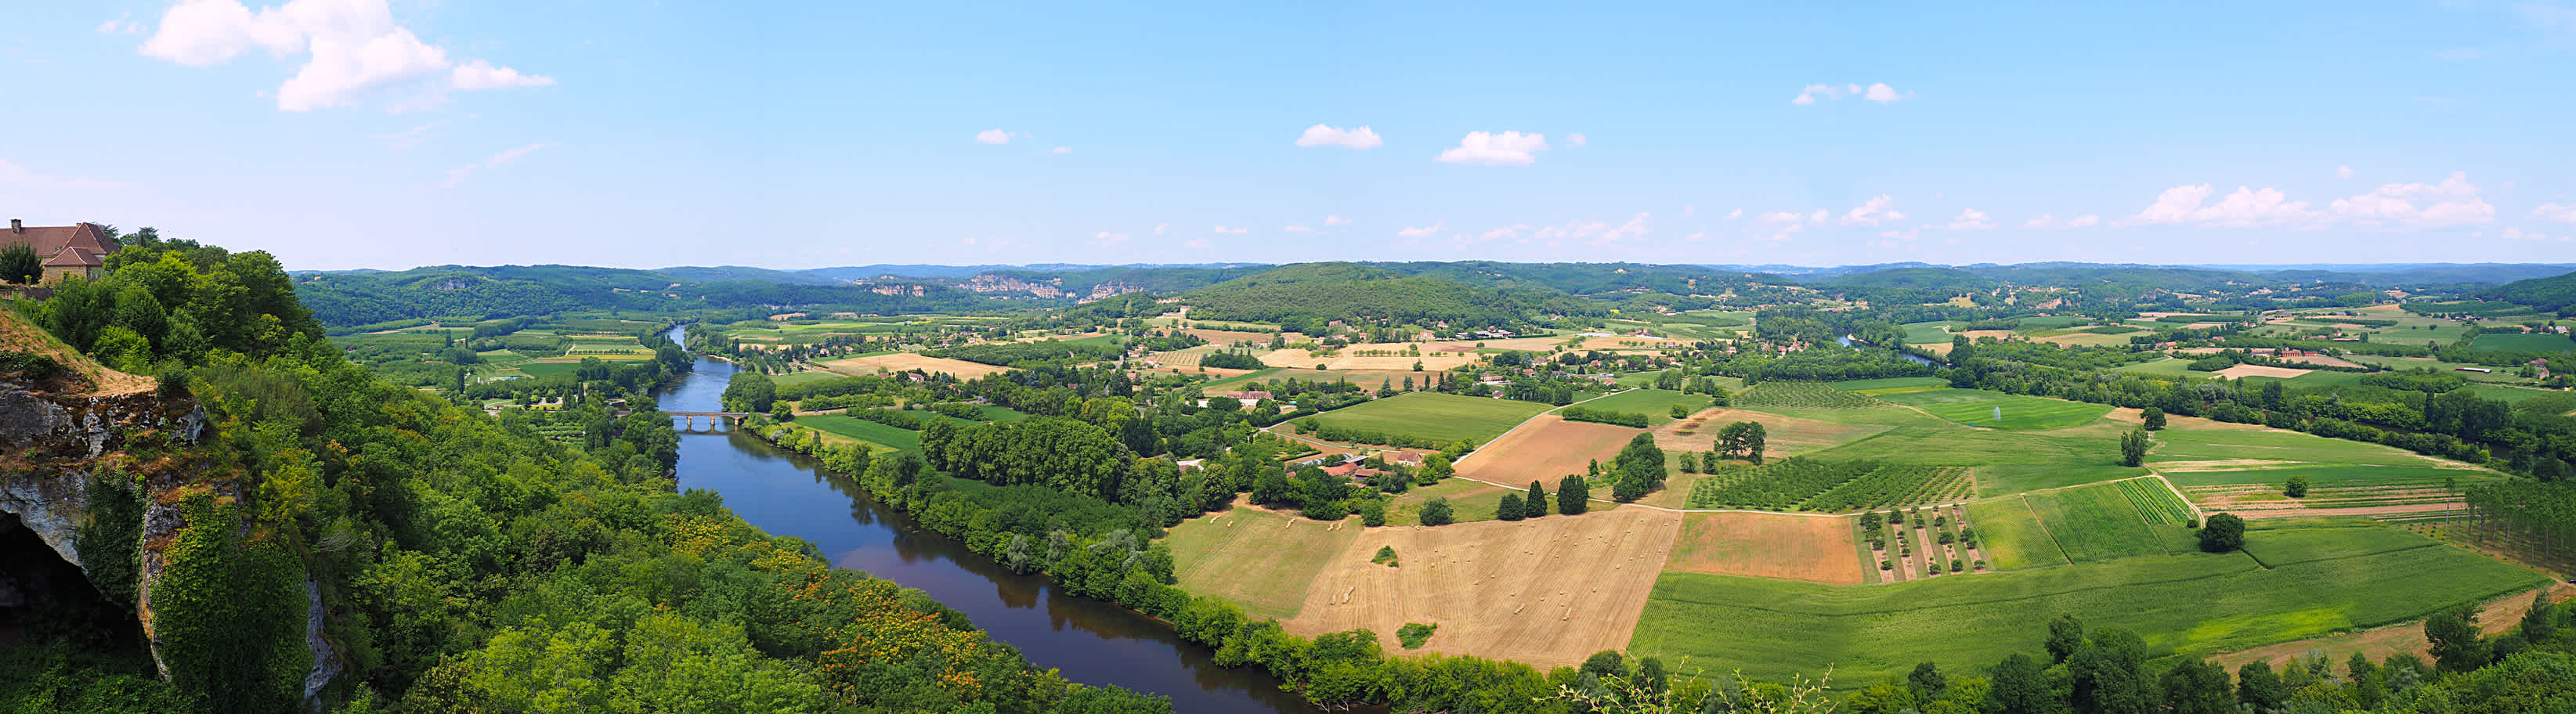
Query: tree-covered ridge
x=509 y=291
x=464 y=562
x=1306 y=297
x=2553 y=294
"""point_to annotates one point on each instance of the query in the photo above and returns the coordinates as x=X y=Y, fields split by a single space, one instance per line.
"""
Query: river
x=1847 y=341
x=1092 y=642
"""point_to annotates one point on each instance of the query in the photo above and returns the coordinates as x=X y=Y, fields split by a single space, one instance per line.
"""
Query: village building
x=66 y=250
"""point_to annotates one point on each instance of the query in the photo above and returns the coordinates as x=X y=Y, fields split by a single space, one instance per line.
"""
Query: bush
x=33 y=366
x=2224 y=532
x=1372 y=513
x=1510 y=509
x=1413 y=634
x=1385 y=556
x=1436 y=513
x=2296 y=486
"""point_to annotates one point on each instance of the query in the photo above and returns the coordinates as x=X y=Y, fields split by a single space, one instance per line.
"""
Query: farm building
x=67 y=250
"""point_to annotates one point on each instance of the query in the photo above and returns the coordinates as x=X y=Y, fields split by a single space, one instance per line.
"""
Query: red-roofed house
x=67 y=250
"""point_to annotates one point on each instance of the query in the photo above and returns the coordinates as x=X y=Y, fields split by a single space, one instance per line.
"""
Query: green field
x=2167 y=367
x=1656 y=404
x=2097 y=523
x=2001 y=461
x=2523 y=342
x=1431 y=415
x=1925 y=333
x=1262 y=561
x=864 y=430
x=2010 y=536
x=1892 y=385
x=1977 y=407
x=2208 y=444
x=1801 y=395
x=2191 y=603
x=1003 y=415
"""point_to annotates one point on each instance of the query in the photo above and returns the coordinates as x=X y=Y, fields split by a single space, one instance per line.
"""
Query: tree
x=20 y=264
x=1535 y=504
x=2258 y=687
x=2065 y=635
x=2296 y=486
x=2155 y=418
x=2223 y=533
x=1270 y=487
x=1927 y=682
x=1436 y=513
x=2540 y=622
x=1510 y=508
x=2133 y=447
x=2020 y=686
x=1372 y=512
x=2197 y=687
x=1573 y=496
x=2455 y=637
x=749 y=391
x=1639 y=469
x=1754 y=439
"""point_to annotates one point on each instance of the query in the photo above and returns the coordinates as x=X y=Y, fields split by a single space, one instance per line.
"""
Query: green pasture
x=2189 y=603
x=1656 y=404
x=1891 y=385
x=1442 y=418
x=2168 y=367
x=874 y=433
x=2001 y=461
x=1925 y=333
x=2523 y=342
x=1977 y=407
x=2273 y=445
x=2009 y=535
x=2098 y=523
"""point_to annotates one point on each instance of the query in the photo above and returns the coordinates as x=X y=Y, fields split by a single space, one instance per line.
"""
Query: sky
x=371 y=134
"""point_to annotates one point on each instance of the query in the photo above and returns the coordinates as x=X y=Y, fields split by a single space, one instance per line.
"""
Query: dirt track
x=1548 y=592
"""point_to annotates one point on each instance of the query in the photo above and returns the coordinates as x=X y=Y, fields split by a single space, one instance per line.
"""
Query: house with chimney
x=65 y=250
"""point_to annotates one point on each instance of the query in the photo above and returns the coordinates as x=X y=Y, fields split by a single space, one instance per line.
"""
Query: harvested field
x=1228 y=337
x=1768 y=545
x=906 y=361
x=2320 y=359
x=1784 y=436
x=1546 y=448
x=1257 y=558
x=1547 y=592
x=2255 y=370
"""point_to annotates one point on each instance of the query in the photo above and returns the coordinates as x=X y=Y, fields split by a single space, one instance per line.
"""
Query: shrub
x=2296 y=486
x=32 y=365
x=1510 y=509
x=1372 y=513
x=1436 y=513
x=1413 y=634
x=2224 y=532
x=1385 y=555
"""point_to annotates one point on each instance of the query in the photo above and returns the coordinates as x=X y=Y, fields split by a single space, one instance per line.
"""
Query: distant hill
x=2550 y=294
x=1305 y=296
x=455 y=291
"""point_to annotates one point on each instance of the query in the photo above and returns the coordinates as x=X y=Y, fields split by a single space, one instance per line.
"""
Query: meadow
x=871 y=432
x=1801 y=395
x=2001 y=461
x=2189 y=603
x=2098 y=523
x=2010 y=534
x=1656 y=404
x=1439 y=417
x=1261 y=560
x=2523 y=342
x=1977 y=407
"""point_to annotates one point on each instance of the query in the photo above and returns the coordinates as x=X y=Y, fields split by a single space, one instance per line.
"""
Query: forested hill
x=2553 y=294
x=1304 y=297
x=451 y=291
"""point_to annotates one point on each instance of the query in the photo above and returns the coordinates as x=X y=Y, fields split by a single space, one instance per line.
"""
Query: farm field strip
x=1801 y=395
x=1811 y=485
x=2158 y=503
x=1259 y=559
x=1977 y=407
x=1435 y=416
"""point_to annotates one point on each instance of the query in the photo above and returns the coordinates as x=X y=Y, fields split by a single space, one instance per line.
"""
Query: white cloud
x=2343 y=172
x=1876 y=92
x=120 y=25
x=1819 y=216
x=1105 y=239
x=1158 y=229
x=1336 y=221
x=1576 y=140
x=1297 y=228
x=2245 y=207
x=1636 y=227
x=1688 y=210
x=1735 y=214
x=1236 y=231
x=1510 y=148
x=1781 y=217
x=351 y=48
x=2454 y=201
x=2043 y=221
x=22 y=177
x=1971 y=219
x=507 y=156
x=994 y=136
x=2085 y=221
x=2555 y=212
x=1195 y=243
x=1421 y=231
x=1510 y=231
x=1696 y=237
x=2515 y=233
x=1322 y=135
x=411 y=137
x=1872 y=212
x=1783 y=235
x=1061 y=150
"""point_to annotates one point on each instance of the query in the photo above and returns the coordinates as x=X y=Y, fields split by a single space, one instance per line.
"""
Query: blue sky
x=357 y=133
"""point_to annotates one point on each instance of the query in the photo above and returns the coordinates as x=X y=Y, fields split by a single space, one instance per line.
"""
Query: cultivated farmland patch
x=1767 y=545
x=1546 y=449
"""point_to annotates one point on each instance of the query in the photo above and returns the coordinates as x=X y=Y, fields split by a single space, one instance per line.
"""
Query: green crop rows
x=1829 y=486
x=2158 y=503
x=1801 y=395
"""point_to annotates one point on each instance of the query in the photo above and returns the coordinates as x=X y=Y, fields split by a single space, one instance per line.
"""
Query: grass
x=2193 y=604
x=809 y=377
x=2424 y=476
x=1978 y=407
x=864 y=430
x=2097 y=523
x=2010 y=535
x=2001 y=461
x=2167 y=367
x=1260 y=560
x=2523 y=342
x=1003 y=415
x=1924 y=333
x=1892 y=385
x=1801 y=395
x=1656 y=404
x=1468 y=501
x=2206 y=444
x=1439 y=417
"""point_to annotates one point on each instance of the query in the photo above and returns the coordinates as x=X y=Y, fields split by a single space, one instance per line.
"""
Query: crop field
x=1801 y=395
x=2160 y=505
x=1656 y=404
x=908 y=361
x=1892 y=385
x=1924 y=333
x=2009 y=533
x=2097 y=523
x=1828 y=486
x=2002 y=461
x=2168 y=367
x=1261 y=560
x=1439 y=417
x=1977 y=407
x=1783 y=435
x=1767 y=545
x=1772 y=628
x=1546 y=449
x=2437 y=366
x=1547 y=592
x=2523 y=342
x=874 y=433
x=2220 y=444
